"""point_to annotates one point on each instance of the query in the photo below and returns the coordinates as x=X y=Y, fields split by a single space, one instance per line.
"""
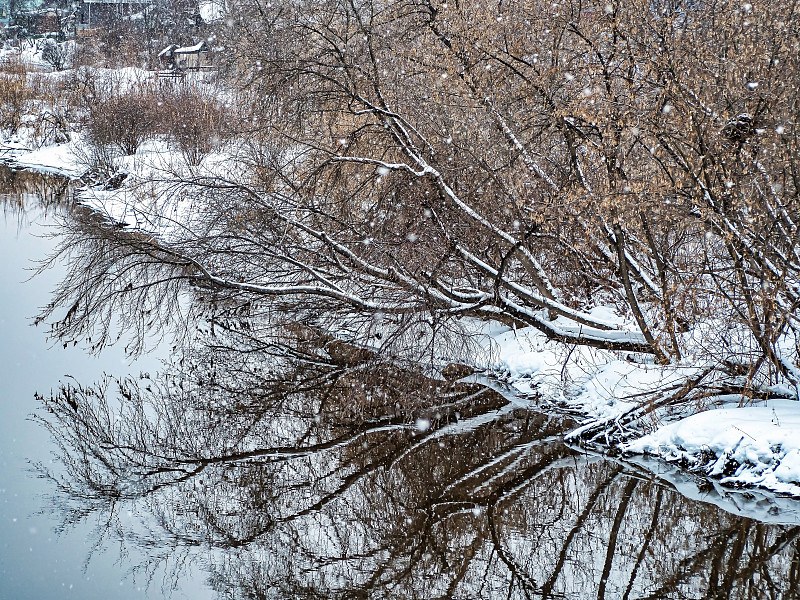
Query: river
x=36 y=562
x=267 y=460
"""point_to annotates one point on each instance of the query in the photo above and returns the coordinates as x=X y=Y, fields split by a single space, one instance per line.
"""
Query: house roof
x=167 y=50
x=200 y=47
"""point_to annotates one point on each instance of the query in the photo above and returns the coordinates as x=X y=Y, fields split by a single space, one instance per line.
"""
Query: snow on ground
x=59 y=159
x=27 y=51
x=148 y=201
x=211 y=10
x=603 y=385
x=757 y=445
x=749 y=445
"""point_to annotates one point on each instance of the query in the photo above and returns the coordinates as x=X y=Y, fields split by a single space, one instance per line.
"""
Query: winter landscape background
x=448 y=299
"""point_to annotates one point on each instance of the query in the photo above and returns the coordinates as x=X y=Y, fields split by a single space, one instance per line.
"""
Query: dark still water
x=265 y=459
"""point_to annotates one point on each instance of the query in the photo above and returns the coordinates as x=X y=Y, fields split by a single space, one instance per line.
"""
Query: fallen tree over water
x=400 y=168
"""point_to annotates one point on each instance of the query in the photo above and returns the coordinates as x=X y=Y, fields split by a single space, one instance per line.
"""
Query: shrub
x=51 y=127
x=83 y=88
x=14 y=95
x=56 y=55
x=99 y=160
x=124 y=120
x=195 y=122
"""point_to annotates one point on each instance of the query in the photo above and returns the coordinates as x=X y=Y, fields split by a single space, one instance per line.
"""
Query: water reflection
x=19 y=189
x=291 y=465
x=34 y=562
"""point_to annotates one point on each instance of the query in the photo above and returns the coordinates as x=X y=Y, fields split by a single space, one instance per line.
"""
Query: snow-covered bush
x=195 y=122
x=123 y=120
x=56 y=55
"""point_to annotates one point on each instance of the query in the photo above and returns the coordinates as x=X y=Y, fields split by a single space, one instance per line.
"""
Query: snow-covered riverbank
x=739 y=441
x=58 y=159
x=754 y=445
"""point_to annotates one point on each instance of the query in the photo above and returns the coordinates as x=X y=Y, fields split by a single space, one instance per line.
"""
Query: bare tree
x=57 y=55
x=405 y=164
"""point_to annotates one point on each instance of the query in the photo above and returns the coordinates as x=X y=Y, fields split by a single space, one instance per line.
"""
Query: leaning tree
x=402 y=165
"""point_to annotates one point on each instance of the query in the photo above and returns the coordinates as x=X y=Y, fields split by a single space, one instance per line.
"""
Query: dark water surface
x=276 y=462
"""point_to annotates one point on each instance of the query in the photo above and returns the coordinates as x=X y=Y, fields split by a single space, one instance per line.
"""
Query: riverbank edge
x=600 y=386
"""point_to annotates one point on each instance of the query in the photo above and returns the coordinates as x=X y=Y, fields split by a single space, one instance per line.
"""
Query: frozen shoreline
x=738 y=442
x=57 y=159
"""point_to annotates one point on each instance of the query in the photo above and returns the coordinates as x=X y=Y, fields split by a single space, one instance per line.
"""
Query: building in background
x=37 y=17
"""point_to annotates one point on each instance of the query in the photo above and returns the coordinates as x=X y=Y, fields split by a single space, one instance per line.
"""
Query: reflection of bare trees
x=20 y=188
x=294 y=470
